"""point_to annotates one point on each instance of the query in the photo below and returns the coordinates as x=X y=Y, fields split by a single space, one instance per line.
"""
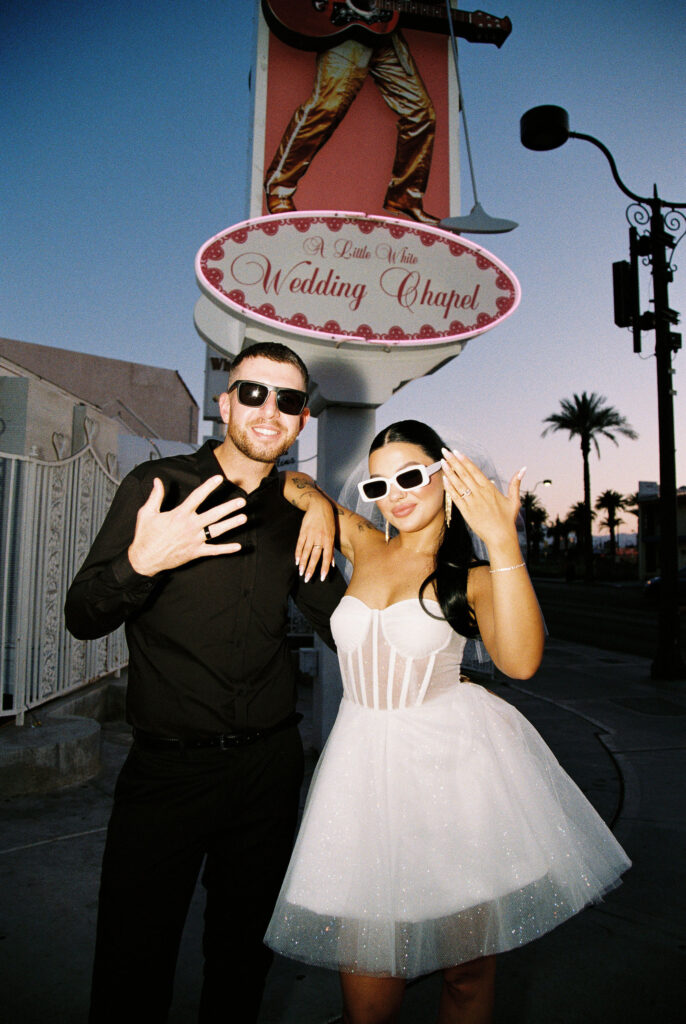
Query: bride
x=439 y=828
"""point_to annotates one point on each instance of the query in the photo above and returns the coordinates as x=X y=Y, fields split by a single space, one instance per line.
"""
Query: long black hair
x=455 y=555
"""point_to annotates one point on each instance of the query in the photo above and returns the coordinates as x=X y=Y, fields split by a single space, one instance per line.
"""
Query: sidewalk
x=620 y=736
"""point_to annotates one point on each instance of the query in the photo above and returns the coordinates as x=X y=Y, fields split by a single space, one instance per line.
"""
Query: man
x=216 y=764
x=340 y=74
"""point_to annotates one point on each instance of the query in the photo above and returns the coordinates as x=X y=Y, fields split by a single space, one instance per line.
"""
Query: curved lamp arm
x=547 y=127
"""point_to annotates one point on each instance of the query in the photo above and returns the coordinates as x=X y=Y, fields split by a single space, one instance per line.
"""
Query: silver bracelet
x=508 y=568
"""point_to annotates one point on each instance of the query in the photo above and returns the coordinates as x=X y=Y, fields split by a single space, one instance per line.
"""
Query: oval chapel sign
x=347 y=276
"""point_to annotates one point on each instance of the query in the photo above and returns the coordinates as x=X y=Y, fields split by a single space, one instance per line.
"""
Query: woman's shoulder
x=358 y=536
x=364 y=529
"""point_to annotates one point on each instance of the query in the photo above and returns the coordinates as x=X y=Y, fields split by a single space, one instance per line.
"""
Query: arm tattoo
x=361 y=524
x=304 y=484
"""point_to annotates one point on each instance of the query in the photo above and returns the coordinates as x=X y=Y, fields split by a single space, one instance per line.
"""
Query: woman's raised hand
x=490 y=514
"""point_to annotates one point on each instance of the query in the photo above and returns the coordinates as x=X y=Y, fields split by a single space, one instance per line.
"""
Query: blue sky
x=126 y=133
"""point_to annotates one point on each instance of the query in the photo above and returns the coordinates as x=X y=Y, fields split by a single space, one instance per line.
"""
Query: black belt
x=220 y=741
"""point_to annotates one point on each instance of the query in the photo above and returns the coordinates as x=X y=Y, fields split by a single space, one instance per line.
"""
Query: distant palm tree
x=573 y=523
x=631 y=505
x=588 y=418
x=559 y=531
x=575 y=520
x=611 y=502
x=535 y=516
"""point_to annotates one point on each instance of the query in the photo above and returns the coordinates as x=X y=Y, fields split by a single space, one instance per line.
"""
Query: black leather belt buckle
x=221 y=741
x=236 y=739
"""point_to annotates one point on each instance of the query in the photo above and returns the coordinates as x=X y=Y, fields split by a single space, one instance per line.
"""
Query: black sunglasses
x=253 y=393
x=411 y=478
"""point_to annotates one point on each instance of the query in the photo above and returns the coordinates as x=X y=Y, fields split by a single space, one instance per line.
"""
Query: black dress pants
x=235 y=810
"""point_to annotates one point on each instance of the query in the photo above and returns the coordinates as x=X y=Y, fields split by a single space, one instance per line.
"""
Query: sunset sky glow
x=127 y=146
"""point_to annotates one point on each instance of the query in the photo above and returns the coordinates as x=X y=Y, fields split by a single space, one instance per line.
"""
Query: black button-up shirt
x=207 y=641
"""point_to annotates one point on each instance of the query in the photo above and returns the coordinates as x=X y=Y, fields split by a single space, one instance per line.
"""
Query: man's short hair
x=275 y=351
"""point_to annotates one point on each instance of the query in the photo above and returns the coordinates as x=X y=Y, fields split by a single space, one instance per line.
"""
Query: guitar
x=320 y=24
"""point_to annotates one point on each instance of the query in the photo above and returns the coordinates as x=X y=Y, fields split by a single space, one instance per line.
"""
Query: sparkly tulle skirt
x=436 y=834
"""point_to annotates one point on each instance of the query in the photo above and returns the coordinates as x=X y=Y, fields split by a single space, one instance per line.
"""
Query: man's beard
x=265 y=451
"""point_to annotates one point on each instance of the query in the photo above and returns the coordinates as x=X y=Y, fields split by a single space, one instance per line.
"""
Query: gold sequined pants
x=340 y=74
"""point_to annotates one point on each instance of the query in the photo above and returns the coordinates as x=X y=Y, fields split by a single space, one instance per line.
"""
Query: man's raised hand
x=165 y=540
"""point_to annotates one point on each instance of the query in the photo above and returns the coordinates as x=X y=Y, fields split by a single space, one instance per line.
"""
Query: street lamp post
x=547 y=127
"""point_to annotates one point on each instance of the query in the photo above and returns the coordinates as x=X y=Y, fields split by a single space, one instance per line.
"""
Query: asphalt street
x=621 y=736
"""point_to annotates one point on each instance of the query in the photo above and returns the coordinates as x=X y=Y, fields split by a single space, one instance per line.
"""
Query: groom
x=197 y=557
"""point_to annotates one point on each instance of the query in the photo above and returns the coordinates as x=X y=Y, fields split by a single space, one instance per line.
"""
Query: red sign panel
x=353 y=126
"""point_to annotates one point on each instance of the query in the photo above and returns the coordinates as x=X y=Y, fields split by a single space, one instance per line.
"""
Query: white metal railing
x=50 y=513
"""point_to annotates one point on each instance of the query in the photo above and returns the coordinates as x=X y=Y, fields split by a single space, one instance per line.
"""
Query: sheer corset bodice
x=395 y=657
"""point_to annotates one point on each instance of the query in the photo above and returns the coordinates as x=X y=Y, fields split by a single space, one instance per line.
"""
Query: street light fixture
x=547 y=127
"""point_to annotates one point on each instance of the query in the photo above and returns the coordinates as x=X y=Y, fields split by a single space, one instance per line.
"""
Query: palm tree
x=611 y=502
x=631 y=505
x=535 y=516
x=559 y=531
x=575 y=523
x=588 y=418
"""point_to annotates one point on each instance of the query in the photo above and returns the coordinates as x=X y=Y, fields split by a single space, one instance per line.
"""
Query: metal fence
x=50 y=513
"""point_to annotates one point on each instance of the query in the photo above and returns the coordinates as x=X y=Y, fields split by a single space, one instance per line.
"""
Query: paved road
x=615 y=617
x=620 y=737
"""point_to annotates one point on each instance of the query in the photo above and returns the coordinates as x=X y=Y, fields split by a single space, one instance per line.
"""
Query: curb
x=63 y=748
x=63 y=752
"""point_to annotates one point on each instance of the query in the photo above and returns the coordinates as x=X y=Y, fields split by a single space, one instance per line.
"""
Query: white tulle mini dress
x=439 y=827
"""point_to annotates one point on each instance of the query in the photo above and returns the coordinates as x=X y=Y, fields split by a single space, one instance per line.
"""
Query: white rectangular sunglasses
x=410 y=478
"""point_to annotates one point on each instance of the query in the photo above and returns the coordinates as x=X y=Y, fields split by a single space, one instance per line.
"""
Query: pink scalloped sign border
x=350 y=277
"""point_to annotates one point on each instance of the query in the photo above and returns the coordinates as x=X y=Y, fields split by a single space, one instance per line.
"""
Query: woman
x=439 y=828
